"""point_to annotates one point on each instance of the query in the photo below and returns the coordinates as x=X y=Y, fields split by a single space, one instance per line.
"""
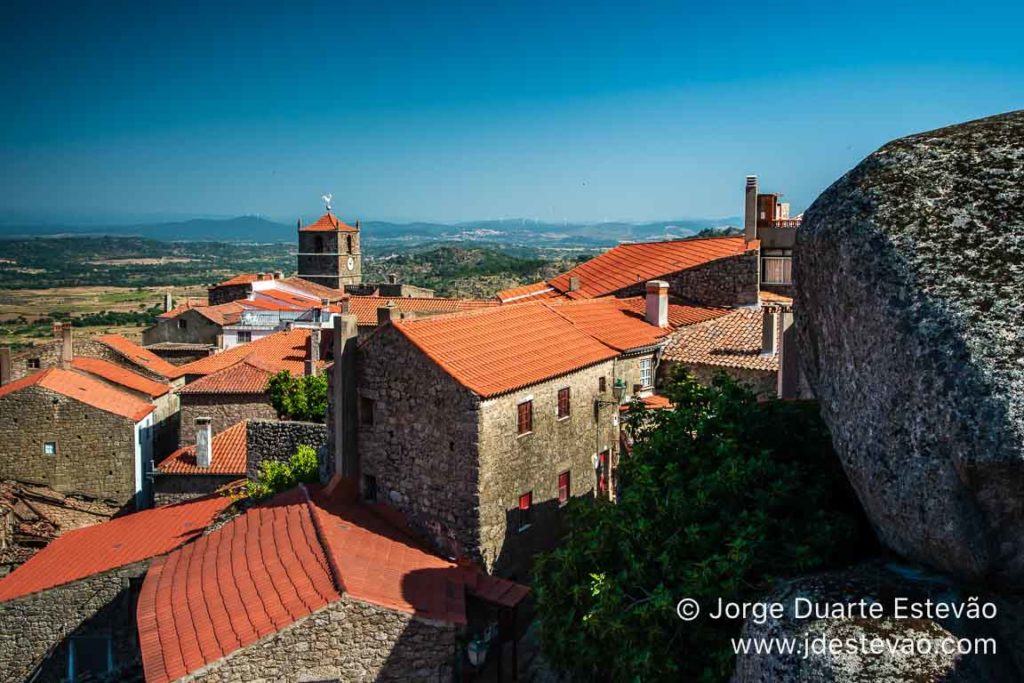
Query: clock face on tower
x=351 y=263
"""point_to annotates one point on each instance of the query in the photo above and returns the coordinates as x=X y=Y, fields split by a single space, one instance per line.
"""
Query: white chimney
x=769 y=332
x=168 y=301
x=204 y=442
x=750 y=210
x=656 y=312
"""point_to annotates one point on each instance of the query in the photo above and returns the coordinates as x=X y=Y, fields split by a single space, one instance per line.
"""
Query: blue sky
x=455 y=111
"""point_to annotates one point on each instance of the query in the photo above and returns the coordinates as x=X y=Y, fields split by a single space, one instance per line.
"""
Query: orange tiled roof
x=311 y=549
x=767 y=297
x=230 y=451
x=84 y=389
x=243 y=279
x=611 y=321
x=139 y=356
x=281 y=350
x=294 y=301
x=119 y=375
x=628 y=264
x=652 y=402
x=315 y=290
x=328 y=223
x=538 y=290
x=501 y=349
x=121 y=541
x=731 y=341
x=249 y=376
x=678 y=314
x=365 y=307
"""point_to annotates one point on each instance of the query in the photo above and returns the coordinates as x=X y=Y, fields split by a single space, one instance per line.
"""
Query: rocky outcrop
x=877 y=640
x=910 y=311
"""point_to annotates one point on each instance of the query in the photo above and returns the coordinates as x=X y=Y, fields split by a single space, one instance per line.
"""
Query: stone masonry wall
x=345 y=641
x=222 y=295
x=169 y=489
x=48 y=354
x=761 y=382
x=729 y=281
x=198 y=330
x=513 y=464
x=224 y=410
x=422 y=445
x=32 y=624
x=95 y=449
x=278 y=440
x=628 y=370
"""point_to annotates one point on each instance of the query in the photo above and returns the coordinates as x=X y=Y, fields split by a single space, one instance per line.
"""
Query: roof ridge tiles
x=333 y=569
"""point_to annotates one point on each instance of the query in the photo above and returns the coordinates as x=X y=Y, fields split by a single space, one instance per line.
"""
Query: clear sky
x=455 y=111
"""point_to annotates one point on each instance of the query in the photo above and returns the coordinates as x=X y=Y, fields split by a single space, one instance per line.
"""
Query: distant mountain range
x=514 y=231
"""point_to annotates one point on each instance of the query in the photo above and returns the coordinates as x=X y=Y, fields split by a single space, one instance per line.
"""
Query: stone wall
x=48 y=354
x=169 y=489
x=512 y=464
x=729 y=281
x=628 y=370
x=222 y=295
x=422 y=445
x=761 y=382
x=33 y=624
x=278 y=440
x=224 y=409
x=95 y=449
x=198 y=330
x=345 y=641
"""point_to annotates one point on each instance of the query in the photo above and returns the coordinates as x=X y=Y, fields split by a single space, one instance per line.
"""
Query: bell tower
x=329 y=252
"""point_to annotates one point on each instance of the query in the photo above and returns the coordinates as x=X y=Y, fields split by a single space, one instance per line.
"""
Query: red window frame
x=564 y=480
x=525 y=503
x=564 y=402
x=524 y=417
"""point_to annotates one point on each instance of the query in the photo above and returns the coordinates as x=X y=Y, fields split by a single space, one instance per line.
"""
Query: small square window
x=50 y=448
x=602 y=384
x=525 y=417
x=563 y=402
x=244 y=336
x=182 y=323
x=525 y=503
x=33 y=363
x=366 y=411
x=646 y=376
x=563 y=488
x=370 y=488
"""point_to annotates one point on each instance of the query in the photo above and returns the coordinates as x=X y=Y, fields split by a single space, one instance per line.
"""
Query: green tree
x=299 y=398
x=719 y=497
x=275 y=476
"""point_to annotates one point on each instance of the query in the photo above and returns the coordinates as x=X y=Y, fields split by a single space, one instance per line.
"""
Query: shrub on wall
x=299 y=398
x=719 y=497
x=275 y=476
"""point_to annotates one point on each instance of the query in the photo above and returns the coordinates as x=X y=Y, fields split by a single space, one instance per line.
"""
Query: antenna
x=327 y=200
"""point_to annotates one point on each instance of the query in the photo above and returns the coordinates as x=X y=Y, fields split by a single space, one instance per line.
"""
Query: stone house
x=479 y=426
x=69 y=611
x=190 y=324
x=76 y=434
x=218 y=460
x=355 y=598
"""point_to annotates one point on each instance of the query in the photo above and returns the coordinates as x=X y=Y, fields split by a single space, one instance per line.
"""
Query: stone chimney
x=313 y=355
x=386 y=314
x=67 y=344
x=769 y=332
x=5 y=365
x=342 y=426
x=750 y=209
x=392 y=279
x=574 y=283
x=656 y=311
x=204 y=442
x=168 y=301
x=219 y=341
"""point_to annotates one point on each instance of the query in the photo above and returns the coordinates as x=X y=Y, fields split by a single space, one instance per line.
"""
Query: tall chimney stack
x=204 y=442
x=656 y=310
x=67 y=345
x=168 y=301
x=750 y=210
x=342 y=417
x=5 y=365
x=313 y=357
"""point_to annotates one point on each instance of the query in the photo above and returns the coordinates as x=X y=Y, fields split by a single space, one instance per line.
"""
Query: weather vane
x=327 y=200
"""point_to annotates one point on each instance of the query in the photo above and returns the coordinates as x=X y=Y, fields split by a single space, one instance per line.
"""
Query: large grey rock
x=841 y=649
x=910 y=305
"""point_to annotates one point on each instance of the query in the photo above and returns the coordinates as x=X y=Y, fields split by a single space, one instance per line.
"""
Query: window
x=89 y=656
x=50 y=448
x=563 y=488
x=348 y=244
x=777 y=270
x=646 y=378
x=33 y=363
x=182 y=324
x=525 y=417
x=563 y=402
x=366 y=411
x=244 y=336
x=602 y=384
x=525 y=502
x=370 y=488
x=319 y=244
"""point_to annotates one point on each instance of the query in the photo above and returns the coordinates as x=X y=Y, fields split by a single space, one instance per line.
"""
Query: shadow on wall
x=104 y=647
x=538 y=530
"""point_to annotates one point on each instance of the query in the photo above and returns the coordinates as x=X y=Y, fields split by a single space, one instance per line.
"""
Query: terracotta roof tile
x=139 y=355
x=84 y=389
x=245 y=377
x=310 y=549
x=731 y=341
x=278 y=351
x=230 y=451
x=120 y=375
x=243 y=279
x=315 y=290
x=119 y=542
x=496 y=350
x=628 y=264
x=221 y=314
x=537 y=290
x=767 y=297
x=328 y=223
x=365 y=307
x=679 y=314
x=611 y=321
